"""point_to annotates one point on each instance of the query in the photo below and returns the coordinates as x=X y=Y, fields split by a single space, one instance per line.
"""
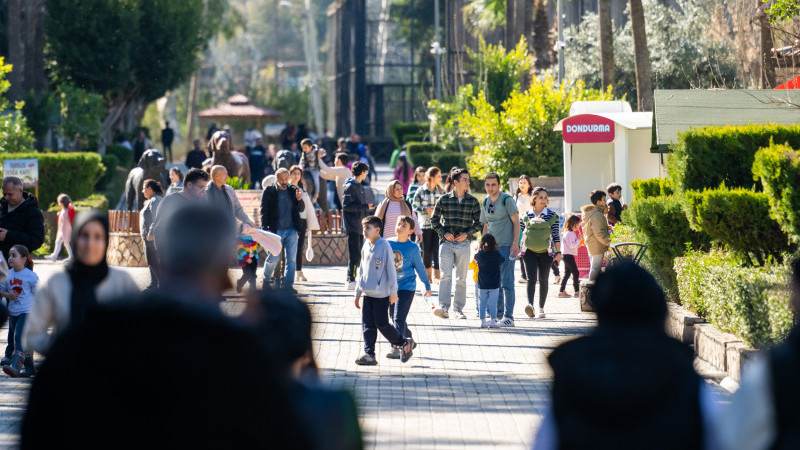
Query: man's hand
x=357 y=301
x=429 y=210
x=392 y=300
x=461 y=237
x=298 y=194
x=449 y=237
x=514 y=249
x=3 y=233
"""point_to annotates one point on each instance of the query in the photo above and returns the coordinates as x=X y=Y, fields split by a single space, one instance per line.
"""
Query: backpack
x=536 y=236
x=283 y=160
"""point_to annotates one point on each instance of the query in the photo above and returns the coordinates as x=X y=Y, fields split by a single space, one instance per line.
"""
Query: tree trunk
x=768 y=77
x=121 y=111
x=644 y=86
x=606 y=44
x=190 y=113
x=26 y=48
x=542 y=45
x=510 y=30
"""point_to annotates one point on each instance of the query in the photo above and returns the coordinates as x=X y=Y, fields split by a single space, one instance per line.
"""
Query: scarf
x=390 y=197
x=85 y=279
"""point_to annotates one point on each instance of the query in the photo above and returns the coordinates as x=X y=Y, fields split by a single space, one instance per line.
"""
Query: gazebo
x=238 y=109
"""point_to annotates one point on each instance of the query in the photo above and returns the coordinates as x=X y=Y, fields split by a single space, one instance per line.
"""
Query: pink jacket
x=64 y=226
x=570 y=243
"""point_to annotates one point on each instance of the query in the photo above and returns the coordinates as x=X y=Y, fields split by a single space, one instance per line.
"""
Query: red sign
x=587 y=128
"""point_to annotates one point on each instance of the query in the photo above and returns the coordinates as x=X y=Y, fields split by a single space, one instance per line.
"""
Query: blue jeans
x=399 y=312
x=289 y=242
x=15 y=326
x=453 y=255
x=506 y=295
x=488 y=300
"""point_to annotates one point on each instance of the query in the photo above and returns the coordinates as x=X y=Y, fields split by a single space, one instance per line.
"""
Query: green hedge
x=111 y=162
x=738 y=218
x=413 y=137
x=442 y=160
x=706 y=157
x=124 y=155
x=750 y=302
x=75 y=174
x=94 y=201
x=414 y=148
x=401 y=129
x=661 y=224
x=423 y=159
x=653 y=187
x=778 y=168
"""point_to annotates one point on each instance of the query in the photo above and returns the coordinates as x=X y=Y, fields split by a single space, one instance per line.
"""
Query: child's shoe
x=406 y=350
x=394 y=354
x=494 y=324
x=240 y=284
x=14 y=369
x=367 y=360
x=27 y=367
x=529 y=310
x=563 y=294
x=557 y=280
x=50 y=258
x=577 y=294
x=5 y=361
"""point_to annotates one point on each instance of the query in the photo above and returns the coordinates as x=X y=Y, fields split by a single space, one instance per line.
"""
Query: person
x=19 y=289
x=404 y=173
x=167 y=335
x=571 y=244
x=408 y=263
x=247 y=259
x=392 y=207
x=251 y=136
x=614 y=206
x=153 y=194
x=194 y=186
x=222 y=195
x=377 y=280
x=373 y=172
x=21 y=220
x=308 y=220
x=500 y=218
x=523 y=198
x=456 y=218
x=339 y=174
x=539 y=228
x=490 y=266
x=425 y=199
x=213 y=128
x=281 y=205
x=258 y=163
x=309 y=162
x=595 y=231
x=762 y=413
x=176 y=181
x=355 y=208
x=85 y=281
x=167 y=136
x=604 y=394
x=195 y=158
x=140 y=145
x=419 y=181
x=64 y=228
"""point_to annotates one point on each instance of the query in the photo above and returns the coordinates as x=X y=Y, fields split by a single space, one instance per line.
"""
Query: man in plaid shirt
x=456 y=218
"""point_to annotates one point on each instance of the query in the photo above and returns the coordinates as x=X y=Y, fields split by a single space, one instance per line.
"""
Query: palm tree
x=644 y=85
x=606 y=43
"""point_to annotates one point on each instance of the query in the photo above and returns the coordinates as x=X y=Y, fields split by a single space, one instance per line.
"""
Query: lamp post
x=436 y=49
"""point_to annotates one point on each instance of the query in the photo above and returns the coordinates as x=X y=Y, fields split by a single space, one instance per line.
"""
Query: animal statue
x=152 y=165
x=221 y=149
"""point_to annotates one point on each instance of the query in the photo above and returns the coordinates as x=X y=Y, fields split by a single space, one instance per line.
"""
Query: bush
x=124 y=156
x=738 y=218
x=654 y=187
x=778 y=168
x=709 y=156
x=401 y=129
x=413 y=137
x=414 y=148
x=446 y=160
x=111 y=163
x=75 y=174
x=94 y=201
x=750 y=302
x=238 y=183
x=661 y=224
x=424 y=159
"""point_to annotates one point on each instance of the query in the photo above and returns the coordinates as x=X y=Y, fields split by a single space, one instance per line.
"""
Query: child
x=570 y=244
x=489 y=262
x=595 y=231
x=407 y=260
x=65 y=218
x=419 y=181
x=247 y=256
x=19 y=290
x=377 y=280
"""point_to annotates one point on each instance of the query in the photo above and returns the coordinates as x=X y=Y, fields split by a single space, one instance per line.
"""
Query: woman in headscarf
x=86 y=281
x=394 y=206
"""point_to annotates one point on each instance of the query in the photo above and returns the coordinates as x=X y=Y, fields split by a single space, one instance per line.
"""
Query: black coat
x=355 y=205
x=269 y=208
x=25 y=224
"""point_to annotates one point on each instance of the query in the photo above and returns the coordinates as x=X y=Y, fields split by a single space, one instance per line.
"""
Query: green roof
x=678 y=110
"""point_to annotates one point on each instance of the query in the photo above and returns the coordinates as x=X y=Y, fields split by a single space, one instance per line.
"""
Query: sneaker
x=14 y=370
x=563 y=294
x=394 y=354
x=494 y=324
x=367 y=360
x=350 y=285
x=240 y=284
x=441 y=312
x=406 y=350
x=557 y=280
x=577 y=294
x=50 y=258
x=6 y=361
x=522 y=281
x=505 y=323
x=413 y=343
x=529 y=310
x=540 y=313
x=484 y=324
x=460 y=315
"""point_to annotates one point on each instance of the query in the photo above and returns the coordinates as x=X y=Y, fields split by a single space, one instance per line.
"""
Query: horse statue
x=221 y=149
x=152 y=165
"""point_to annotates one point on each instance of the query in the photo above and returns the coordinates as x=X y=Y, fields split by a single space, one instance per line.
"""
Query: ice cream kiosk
x=605 y=142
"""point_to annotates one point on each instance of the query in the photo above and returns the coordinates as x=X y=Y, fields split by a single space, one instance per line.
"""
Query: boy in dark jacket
x=355 y=206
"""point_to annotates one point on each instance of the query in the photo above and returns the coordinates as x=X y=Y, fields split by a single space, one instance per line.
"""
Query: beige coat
x=595 y=229
x=51 y=306
x=337 y=174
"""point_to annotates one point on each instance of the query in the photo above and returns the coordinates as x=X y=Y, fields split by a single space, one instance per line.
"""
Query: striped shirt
x=545 y=214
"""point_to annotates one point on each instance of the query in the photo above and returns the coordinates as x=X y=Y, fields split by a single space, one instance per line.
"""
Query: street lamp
x=437 y=51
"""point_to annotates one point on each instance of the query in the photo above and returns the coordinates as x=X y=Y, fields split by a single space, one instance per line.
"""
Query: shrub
x=413 y=137
x=653 y=187
x=709 y=156
x=401 y=129
x=238 y=183
x=750 y=302
x=442 y=160
x=661 y=224
x=124 y=156
x=94 y=201
x=73 y=173
x=111 y=163
x=413 y=148
x=738 y=218
x=778 y=168
x=15 y=135
x=424 y=159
